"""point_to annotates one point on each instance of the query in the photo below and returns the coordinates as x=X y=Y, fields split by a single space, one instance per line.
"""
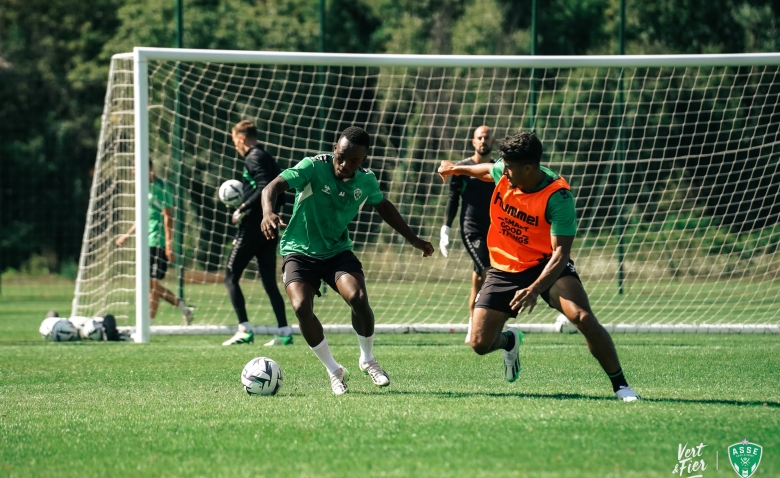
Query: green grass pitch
x=175 y=407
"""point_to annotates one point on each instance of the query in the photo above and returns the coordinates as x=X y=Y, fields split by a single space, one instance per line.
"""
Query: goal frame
x=141 y=57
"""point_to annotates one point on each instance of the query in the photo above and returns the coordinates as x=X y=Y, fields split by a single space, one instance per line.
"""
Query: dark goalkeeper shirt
x=476 y=194
x=260 y=170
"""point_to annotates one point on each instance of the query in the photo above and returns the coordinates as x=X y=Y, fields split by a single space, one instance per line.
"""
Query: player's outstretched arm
x=390 y=215
x=480 y=171
x=271 y=222
x=124 y=237
x=525 y=299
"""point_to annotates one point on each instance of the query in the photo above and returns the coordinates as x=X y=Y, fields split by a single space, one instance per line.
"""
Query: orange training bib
x=519 y=234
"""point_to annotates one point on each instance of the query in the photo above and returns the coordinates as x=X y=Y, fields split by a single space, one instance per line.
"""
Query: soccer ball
x=262 y=376
x=91 y=329
x=564 y=325
x=47 y=327
x=65 y=331
x=231 y=193
x=58 y=329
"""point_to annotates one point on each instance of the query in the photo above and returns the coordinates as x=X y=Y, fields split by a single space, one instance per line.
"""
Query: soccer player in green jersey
x=160 y=246
x=533 y=223
x=330 y=191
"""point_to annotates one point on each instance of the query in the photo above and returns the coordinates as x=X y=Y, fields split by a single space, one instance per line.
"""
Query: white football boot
x=338 y=381
x=187 y=315
x=378 y=376
x=627 y=395
x=240 y=337
x=280 y=340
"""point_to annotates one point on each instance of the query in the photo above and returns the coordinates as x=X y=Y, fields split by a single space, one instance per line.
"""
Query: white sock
x=285 y=331
x=366 y=348
x=322 y=351
x=245 y=327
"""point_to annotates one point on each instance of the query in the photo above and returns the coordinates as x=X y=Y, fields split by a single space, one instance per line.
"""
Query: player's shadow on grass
x=578 y=396
x=556 y=396
x=424 y=344
x=738 y=403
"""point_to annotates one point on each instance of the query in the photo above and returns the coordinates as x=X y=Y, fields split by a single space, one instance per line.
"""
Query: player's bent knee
x=357 y=300
x=481 y=347
x=575 y=318
x=301 y=306
x=304 y=316
x=584 y=320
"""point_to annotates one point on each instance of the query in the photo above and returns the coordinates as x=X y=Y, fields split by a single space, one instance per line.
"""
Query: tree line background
x=54 y=60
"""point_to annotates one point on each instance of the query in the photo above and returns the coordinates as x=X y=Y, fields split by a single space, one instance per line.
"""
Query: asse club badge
x=745 y=457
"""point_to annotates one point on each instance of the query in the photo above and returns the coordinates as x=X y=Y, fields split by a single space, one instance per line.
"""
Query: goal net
x=673 y=162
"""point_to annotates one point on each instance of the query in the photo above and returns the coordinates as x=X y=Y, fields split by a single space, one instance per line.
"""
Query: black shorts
x=302 y=268
x=158 y=262
x=500 y=287
x=251 y=243
x=476 y=246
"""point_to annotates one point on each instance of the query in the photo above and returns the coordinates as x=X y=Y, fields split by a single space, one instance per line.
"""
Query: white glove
x=444 y=240
x=238 y=215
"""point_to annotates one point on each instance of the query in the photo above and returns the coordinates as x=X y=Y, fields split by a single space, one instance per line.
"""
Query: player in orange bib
x=532 y=229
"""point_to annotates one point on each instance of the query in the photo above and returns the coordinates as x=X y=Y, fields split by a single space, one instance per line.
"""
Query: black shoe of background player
x=52 y=313
x=109 y=329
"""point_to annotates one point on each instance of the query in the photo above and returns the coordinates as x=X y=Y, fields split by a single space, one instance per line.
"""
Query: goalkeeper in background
x=474 y=214
x=532 y=227
x=260 y=169
x=160 y=245
x=331 y=190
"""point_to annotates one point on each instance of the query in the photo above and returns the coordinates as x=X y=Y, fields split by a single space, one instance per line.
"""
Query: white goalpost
x=673 y=161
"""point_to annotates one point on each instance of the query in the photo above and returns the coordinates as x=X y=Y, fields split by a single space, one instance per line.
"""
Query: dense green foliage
x=176 y=408
x=54 y=59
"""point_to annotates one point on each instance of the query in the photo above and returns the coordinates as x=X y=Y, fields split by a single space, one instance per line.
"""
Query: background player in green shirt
x=330 y=191
x=160 y=246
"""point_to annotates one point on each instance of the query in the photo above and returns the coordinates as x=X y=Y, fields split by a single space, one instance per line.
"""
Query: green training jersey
x=324 y=207
x=561 y=213
x=160 y=198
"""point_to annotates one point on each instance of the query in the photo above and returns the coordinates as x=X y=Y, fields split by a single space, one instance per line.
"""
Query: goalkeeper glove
x=238 y=215
x=444 y=240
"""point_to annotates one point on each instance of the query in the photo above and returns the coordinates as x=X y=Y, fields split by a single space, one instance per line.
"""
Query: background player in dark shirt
x=474 y=214
x=250 y=241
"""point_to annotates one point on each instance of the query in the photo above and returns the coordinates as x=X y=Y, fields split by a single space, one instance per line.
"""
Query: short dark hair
x=521 y=147
x=356 y=135
x=247 y=128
